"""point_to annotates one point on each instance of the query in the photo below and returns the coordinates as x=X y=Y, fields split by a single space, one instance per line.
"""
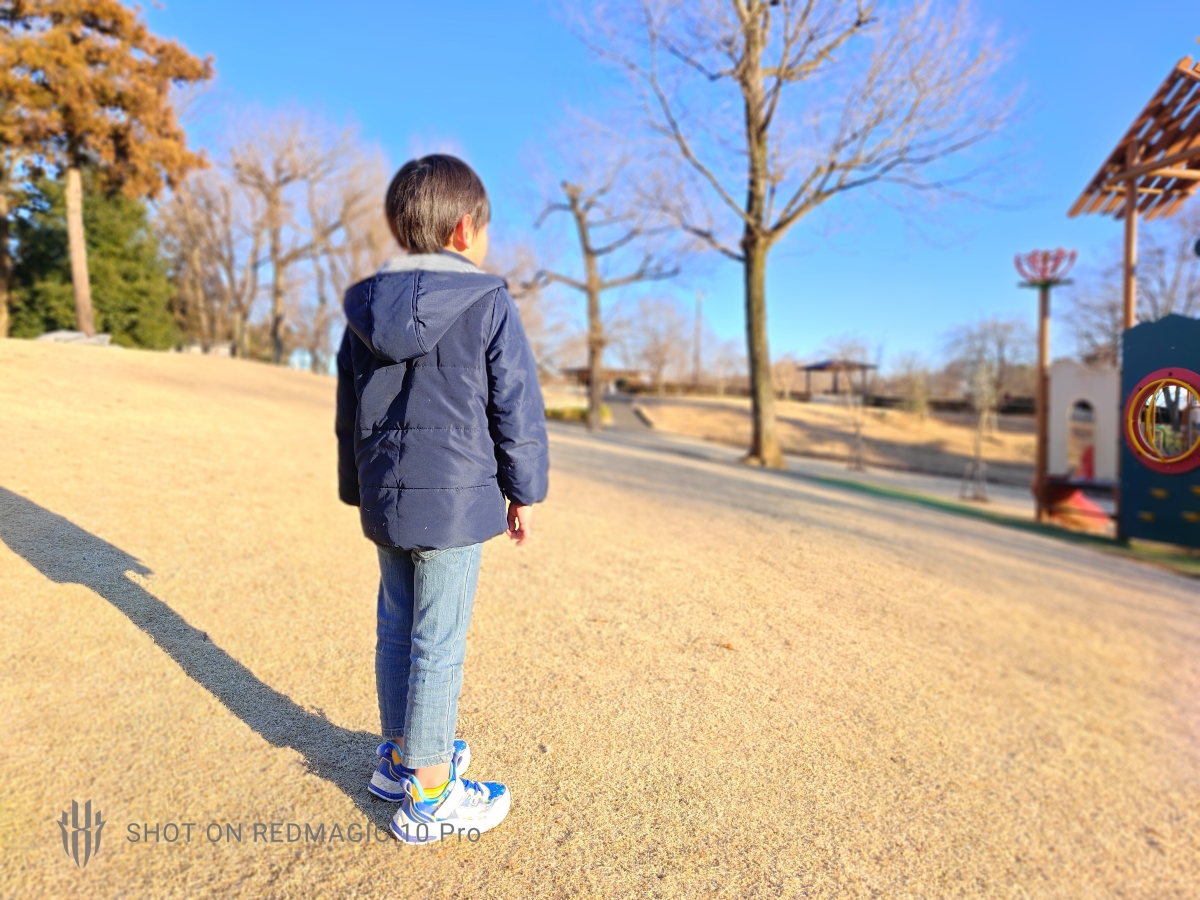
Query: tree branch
x=547 y=275
x=648 y=271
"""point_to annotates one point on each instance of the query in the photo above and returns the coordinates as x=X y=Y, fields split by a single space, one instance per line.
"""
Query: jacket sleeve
x=516 y=413
x=344 y=421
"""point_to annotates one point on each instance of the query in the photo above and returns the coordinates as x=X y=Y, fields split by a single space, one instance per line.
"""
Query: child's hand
x=520 y=522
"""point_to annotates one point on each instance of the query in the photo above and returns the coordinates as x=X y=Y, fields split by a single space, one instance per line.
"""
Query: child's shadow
x=67 y=554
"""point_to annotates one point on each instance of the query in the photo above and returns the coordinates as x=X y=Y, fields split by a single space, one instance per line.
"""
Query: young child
x=439 y=420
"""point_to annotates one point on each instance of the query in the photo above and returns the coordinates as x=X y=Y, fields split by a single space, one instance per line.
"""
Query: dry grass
x=697 y=680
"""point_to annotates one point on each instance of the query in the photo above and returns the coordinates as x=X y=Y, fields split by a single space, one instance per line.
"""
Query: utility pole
x=697 y=336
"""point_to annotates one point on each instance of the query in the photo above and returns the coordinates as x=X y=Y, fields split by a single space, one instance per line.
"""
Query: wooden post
x=1043 y=402
x=1131 y=217
x=1131 y=253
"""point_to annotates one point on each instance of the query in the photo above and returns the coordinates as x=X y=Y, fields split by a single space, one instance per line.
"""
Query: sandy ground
x=699 y=680
x=939 y=444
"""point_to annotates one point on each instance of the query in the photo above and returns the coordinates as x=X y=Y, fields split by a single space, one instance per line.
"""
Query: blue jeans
x=425 y=602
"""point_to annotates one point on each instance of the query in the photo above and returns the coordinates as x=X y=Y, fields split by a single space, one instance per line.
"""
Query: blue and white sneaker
x=466 y=810
x=390 y=781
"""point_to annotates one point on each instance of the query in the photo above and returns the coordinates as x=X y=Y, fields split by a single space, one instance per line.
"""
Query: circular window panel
x=1162 y=420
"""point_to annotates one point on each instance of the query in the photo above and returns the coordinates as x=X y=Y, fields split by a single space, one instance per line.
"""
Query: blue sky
x=494 y=79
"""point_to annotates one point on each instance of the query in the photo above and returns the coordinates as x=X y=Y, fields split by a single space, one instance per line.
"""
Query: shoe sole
x=453 y=829
x=372 y=788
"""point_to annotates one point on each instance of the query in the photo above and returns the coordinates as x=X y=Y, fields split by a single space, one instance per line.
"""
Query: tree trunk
x=207 y=329
x=595 y=323
x=764 y=441
x=756 y=243
x=595 y=360
x=320 y=254
x=241 y=336
x=5 y=262
x=276 y=299
x=77 y=249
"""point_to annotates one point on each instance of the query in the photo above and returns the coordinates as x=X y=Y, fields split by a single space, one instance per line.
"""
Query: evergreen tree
x=85 y=84
x=130 y=287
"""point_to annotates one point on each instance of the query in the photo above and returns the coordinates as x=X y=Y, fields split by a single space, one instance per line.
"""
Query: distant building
x=582 y=375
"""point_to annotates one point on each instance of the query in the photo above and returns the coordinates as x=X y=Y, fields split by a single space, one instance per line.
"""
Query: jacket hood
x=403 y=310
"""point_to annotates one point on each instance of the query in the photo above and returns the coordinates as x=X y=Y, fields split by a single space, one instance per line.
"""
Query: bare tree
x=541 y=316
x=1169 y=271
x=199 y=306
x=609 y=222
x=911 y=381
x=213 y=231
x=297 y=197
x=274 y=160
x=783 y=375
x=1003 y=346
x=661 y=339
x=983 y=398
x=348 y=237
x=1168 y=282
x=777 y=106
x=1096 y=315
x=726 y=360
x=698 y=340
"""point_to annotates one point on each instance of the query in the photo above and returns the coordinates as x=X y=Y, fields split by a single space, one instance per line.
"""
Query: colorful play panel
x=1160 y=421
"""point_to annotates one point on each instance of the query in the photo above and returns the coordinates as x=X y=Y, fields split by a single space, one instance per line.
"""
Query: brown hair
x=428 y=197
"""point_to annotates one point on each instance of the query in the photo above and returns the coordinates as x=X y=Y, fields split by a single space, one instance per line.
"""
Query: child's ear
x=464 y=233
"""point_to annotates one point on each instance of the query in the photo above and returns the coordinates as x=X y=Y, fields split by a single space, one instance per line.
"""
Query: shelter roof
x=1166 y=158
x=837 y=365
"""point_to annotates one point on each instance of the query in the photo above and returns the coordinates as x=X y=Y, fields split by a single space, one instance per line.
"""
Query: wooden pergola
x=1154 y=168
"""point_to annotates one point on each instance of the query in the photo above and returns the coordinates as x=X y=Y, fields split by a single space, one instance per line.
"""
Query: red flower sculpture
x=1045 y=268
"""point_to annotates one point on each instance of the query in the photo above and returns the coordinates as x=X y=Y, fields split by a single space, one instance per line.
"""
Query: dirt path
x=699 y=680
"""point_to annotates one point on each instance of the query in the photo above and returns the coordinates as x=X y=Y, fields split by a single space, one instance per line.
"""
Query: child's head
x=438 y=202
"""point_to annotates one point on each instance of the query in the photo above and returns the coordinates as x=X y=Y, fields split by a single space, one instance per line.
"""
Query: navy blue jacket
x=439 y=411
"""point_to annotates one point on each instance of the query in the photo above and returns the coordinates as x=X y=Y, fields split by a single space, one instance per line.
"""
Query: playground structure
x=1160 y=424
x=1150 y=173
x=1084 y=434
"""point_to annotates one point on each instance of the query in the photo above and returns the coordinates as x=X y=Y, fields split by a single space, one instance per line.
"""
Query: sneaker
x=466 y=810
x=390 y=781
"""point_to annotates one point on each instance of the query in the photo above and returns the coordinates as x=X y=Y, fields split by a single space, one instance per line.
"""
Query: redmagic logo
x=81 y=830
x=1162 y=421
